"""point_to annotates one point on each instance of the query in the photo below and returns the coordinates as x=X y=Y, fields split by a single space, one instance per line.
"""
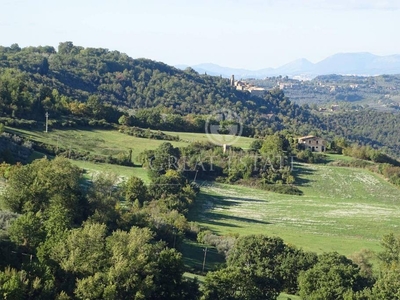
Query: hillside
x=38 y=79
x=80 y=86
x=378 y=129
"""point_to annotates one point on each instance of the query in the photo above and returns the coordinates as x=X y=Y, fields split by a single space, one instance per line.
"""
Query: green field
x=121 y=171
x=242 y=142
x=98 y=141
x=342 y=210
x=109 y=142
x=93 y=168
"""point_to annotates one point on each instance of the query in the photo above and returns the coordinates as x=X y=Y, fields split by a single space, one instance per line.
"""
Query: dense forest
x=371 y=127
x=98 y=87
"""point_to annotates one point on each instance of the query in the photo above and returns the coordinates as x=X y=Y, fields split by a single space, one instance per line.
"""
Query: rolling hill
x=38 y=79
x=95 y=86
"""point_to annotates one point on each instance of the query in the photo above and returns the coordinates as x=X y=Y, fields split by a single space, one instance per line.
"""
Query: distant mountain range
x=362 y=64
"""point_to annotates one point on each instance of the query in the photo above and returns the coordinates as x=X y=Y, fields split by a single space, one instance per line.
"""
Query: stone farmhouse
x=313 y=143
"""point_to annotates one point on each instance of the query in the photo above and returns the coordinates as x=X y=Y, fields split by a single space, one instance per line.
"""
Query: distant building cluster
x=334 y=107
x=245 y=86
x=285 y=85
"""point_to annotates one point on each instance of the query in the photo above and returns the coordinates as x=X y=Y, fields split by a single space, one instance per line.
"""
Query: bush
x=19 y=123
x=223 y=243
x=310 y=157
x=282 y=189
x=142 y=133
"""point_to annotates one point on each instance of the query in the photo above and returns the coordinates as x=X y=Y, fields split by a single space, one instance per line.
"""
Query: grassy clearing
x=342 y=210
x=121 y=171
x=338 y=157
x=242 y=142
x=94 y=168
x=103 y=142
x=109 y=142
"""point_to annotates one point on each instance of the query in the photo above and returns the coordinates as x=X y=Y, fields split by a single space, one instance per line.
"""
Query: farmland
x=334 y=213
x=110 y=142
x=342 y=210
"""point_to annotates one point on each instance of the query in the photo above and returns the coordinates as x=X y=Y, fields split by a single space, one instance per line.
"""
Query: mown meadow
x=342 y=209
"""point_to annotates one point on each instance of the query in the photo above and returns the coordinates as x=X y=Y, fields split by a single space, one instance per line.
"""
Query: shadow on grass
x=206 y=206
x=299 y=173
x=225 y=220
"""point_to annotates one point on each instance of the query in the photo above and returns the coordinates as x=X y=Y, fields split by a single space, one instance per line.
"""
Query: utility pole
x=205 y=255
x=47 y=121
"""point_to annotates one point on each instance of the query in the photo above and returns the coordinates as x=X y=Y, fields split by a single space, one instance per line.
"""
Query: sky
x=251 y=34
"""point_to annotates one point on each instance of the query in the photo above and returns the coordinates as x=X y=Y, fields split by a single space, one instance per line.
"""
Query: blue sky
x=250 y=34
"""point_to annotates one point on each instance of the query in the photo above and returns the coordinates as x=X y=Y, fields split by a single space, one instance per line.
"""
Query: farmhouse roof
x=306 y=137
